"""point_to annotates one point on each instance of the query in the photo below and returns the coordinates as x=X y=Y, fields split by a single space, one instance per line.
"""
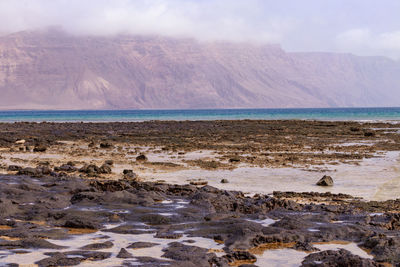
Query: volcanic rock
x=325 y=181
x=124 y=254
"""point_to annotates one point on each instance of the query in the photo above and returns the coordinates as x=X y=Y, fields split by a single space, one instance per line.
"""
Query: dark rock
x=153 y=262
x=155 y=219
x=224 y=181
x=70 y=258
x=14 y=168
x=384 y=248
x=91 y=255
x=325 y=181
x=105 y=169
x=109 y=162
x=43 y=169
x=39 y=148
x=35 y=172
x=127 y=230
x=355 y=129
x=169 y=235
x=129 y=174
x=29 y=243
x=124 y=254
x=109 y=186
x=304 y=246
x=106 y=145
x=240 y=256
x=141 y=158
x=28 y=171
x=85 y=196
x=137 y=245
x=369 y=134
x=217 y=216
x=187 y=255
x=59 y=259
x=91 y=170
x=126 y=171
x=81 y=223
x=337 y=258
x=234 y=160
x=292 y=223
x=97 y=246
x=66 y=168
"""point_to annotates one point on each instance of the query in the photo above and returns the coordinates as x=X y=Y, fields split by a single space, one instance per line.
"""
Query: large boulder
x=129 y=174
x=141 y=157
x=325 y=181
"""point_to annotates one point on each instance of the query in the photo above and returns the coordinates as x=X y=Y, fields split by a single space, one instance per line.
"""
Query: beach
x=199 y=193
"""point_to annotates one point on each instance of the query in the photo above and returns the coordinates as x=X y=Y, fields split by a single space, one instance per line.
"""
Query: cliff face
x=54 y=70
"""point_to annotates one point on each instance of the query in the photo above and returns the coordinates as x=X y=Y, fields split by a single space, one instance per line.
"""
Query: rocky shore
x=37 y=214
x=260 y=143
x=67 y=211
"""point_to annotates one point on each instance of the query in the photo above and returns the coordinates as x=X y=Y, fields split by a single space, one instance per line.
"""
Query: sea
x=327 y=114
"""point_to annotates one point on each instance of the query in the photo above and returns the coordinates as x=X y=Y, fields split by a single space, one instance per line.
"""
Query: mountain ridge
x=56 y=70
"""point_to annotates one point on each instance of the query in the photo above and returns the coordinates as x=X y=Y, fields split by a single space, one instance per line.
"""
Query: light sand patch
x=366 y=180
x=259 y=250
x=352 y=247
x=281 y=257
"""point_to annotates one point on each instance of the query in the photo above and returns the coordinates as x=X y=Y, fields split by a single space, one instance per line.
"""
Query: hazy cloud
x=209 y=20
x=366 y=27
x=364 y=41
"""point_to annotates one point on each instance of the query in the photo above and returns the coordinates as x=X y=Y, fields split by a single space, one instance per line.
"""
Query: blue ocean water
x=202 y=114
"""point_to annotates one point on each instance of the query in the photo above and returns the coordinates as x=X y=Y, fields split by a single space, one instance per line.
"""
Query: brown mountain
x=55 y=70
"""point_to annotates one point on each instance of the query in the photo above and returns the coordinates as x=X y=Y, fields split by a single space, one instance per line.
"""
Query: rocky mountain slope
x=55 y=70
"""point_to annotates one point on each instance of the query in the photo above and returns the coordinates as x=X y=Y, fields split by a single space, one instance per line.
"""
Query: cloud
x=390 y=40
x=203 y=19
x=364 y=41
x=363 y=27
x=354 y=37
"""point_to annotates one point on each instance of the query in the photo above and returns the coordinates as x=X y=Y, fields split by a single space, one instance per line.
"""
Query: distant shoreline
x=324 y=114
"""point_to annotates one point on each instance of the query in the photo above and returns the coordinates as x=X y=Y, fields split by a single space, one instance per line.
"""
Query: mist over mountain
x=55 y=70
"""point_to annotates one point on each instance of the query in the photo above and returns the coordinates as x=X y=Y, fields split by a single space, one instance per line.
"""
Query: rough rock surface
x=336 y=259
x=325 y=181
x=63 y=205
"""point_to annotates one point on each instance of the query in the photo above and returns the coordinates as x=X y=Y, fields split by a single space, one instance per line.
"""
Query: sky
x=361 y=27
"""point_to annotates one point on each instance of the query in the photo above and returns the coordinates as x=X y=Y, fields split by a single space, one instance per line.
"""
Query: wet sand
x=257 y=158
